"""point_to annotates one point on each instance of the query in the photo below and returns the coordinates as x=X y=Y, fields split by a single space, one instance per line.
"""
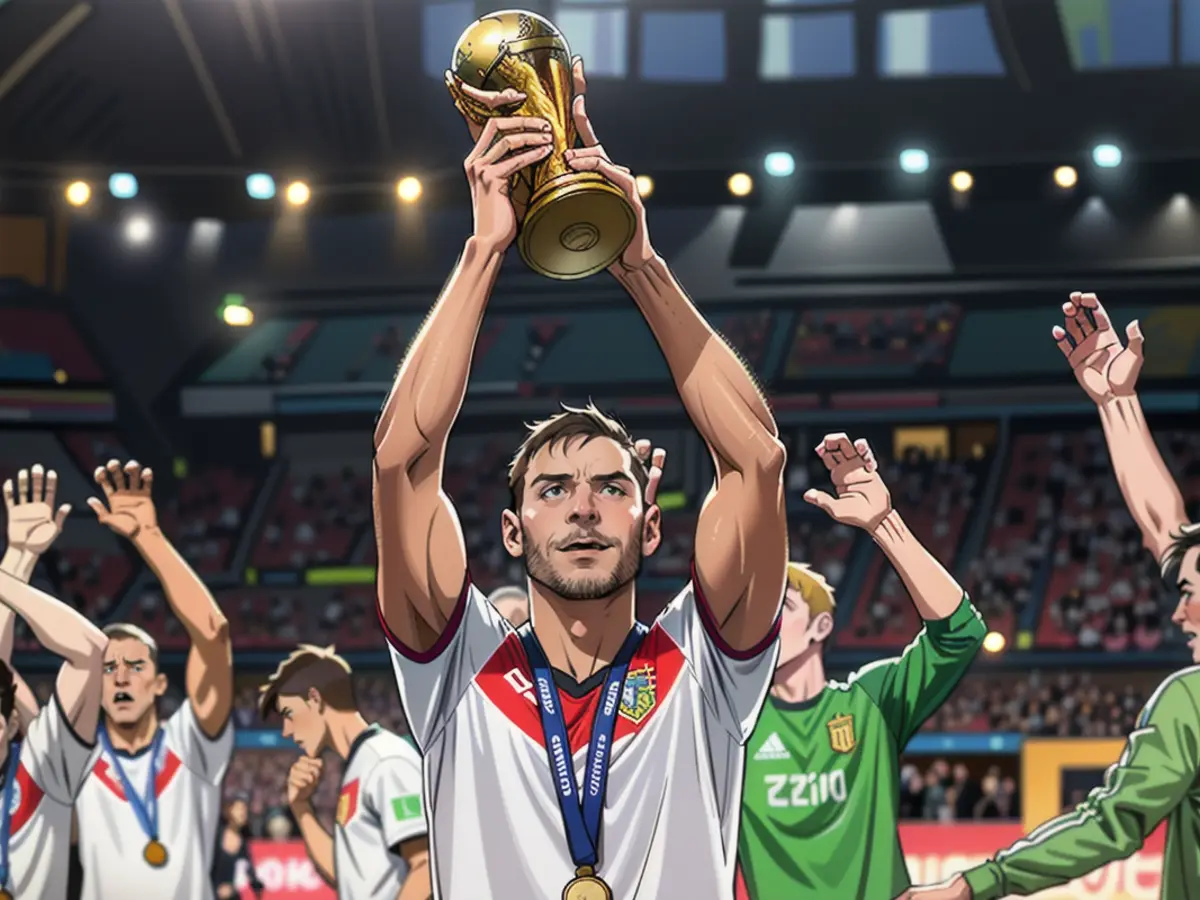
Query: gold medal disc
x=587 y=887
x=5 y=895
x=155 y=854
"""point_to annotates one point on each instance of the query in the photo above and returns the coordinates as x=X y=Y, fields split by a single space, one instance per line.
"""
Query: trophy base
x=575 y=226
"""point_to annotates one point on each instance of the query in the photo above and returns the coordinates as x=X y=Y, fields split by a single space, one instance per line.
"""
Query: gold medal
x=155 y=854
x=586 y=885
x=5 y=895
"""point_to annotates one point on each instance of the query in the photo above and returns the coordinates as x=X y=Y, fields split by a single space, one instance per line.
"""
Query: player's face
x=304 y=724
x=238 y=814
x=799 y=631
x=132 y=683
x=1187 y=613
x=582 y=528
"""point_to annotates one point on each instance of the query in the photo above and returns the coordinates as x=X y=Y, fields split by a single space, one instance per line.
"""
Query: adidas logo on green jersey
x=772 y=748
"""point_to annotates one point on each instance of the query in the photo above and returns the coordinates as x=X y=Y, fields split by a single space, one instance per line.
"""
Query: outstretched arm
x=741 y=534
x=422 y=559
x=1108 y=372
x=131 y=514
x=418 y=883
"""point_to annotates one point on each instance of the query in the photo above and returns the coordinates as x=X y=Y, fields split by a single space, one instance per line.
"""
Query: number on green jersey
x=806 y=788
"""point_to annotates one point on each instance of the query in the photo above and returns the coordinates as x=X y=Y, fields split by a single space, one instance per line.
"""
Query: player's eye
x=555 y=490
x=613 y=490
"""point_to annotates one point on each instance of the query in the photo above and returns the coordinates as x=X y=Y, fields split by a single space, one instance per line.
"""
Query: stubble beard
x=591 y=586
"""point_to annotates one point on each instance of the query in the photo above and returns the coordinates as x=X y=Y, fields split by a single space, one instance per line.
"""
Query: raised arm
x=1108 y=372
x=130 y=513
x=741 y=534
x=422 y=560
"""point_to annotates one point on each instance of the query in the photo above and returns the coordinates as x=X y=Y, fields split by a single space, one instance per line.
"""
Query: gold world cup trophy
x=575 y=223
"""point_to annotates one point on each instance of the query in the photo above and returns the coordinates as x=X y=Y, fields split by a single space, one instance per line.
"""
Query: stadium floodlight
x=740 y=184
x=1107 y=156
x=1066 y=177
x=139 y=231
x=645 y=186
x=260 y=187
x=298 y=193
x=962 y=181
x=914 y=161
x=408 y=189
x=779 y=164
x=78 y=193
x=123 y=186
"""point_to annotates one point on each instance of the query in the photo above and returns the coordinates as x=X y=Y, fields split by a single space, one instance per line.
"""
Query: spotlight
x=138 y=231
x=408 y=189
x=60 y=376
x=78 y=193
x=237 y=316
x=994 y=642
x=740 y=184
x=962 y=181
x=1066 y=177
x=1107 y=156
x=914 y=162
x=298 y=193
x=260 y=187
x=645 y=185
x=123 y=186
x=779 y=164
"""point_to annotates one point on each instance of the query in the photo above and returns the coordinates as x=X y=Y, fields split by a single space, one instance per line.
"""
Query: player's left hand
x=130 y=511
x=653 y=458
x=955 y=888
x=862 y=498
x=33 y=522
x=592 y=157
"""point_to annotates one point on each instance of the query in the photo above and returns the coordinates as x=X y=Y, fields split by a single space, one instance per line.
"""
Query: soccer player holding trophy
x=613 y=752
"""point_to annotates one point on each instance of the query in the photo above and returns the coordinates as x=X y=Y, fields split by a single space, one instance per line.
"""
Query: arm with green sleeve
x=1158 y=766
x=909 y=688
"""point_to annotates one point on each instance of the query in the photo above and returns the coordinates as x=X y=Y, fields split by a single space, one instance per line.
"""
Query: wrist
x=148 y=538
x=889 y=532
x=484 y=250
x=19 y=563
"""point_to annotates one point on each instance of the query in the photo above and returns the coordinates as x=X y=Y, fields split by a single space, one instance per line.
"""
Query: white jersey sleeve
x=734 y=683
x=55 y=756
x=393 y=793
x=432 y=682
x=206 y=757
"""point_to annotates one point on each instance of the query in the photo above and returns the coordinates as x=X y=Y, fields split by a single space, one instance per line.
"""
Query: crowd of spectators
x=945 y=792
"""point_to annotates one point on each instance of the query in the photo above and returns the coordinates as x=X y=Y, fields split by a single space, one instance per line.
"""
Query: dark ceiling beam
x=203 y=76
x=42 y=47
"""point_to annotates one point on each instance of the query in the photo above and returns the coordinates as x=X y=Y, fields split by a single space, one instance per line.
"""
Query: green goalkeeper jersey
x=1156 y=778
x=822 y=788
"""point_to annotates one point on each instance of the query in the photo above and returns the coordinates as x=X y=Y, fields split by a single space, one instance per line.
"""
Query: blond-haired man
x=379 y=849
x=822 y=786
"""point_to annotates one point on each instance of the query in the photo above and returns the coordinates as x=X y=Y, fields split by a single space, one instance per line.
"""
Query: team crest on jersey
x=347 y=803
x=841 y=733
x=638 y=695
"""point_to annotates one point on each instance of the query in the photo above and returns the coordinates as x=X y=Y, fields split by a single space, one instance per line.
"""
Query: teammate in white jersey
x=44 y=755
x=379 y=849
x=148 y=814
x=672 y=707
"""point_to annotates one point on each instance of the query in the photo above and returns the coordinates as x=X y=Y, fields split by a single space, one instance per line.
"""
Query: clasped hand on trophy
x=505 y=145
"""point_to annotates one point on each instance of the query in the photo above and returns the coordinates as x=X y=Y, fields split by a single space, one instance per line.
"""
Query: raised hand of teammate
x=862 y=498
x=592 y=157
x=130 y=511
x=33 y=522
x=1103 y=365
x=955 y=888
x=655 y=458
x=303 y=780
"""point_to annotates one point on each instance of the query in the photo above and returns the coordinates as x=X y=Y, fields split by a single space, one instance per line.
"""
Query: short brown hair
x=309 y=667
x=1184 y=540
x=124 y=631
x=586 y=423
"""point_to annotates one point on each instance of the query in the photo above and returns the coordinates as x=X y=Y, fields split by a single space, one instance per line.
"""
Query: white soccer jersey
x=54 y=763
x=670 y=821
x=379 y=808
x=190 y=769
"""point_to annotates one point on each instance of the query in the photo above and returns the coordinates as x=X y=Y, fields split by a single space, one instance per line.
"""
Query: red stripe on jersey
x=162 y=781
x=31 y=797
x=507 y=680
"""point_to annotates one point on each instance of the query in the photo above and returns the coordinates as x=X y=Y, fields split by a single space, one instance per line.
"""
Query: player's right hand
x=1103 y=366
x=303 y=780
x=33 y=522
x=955 y=888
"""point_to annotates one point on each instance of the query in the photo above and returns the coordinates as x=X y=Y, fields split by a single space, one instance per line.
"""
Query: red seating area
x=51 y=333
x=936 y=497
x=1105 y=590
x=92 y=449
x=315 y=518
x=869 y=338
x=206 y=517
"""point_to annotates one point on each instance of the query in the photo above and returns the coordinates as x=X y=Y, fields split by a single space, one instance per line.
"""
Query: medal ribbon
x=10 y=780
x=145 y=808
x=580 y=819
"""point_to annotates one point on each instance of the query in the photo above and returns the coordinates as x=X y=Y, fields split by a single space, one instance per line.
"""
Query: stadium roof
x=319 y=87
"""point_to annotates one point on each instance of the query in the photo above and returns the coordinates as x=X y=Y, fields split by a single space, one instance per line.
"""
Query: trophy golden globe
x=575 y=223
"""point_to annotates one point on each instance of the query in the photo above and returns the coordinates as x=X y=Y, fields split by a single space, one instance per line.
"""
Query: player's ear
x=314 y=699
x=510 y=534
x=821 y=626
x=651 y=531
x=160 y=684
